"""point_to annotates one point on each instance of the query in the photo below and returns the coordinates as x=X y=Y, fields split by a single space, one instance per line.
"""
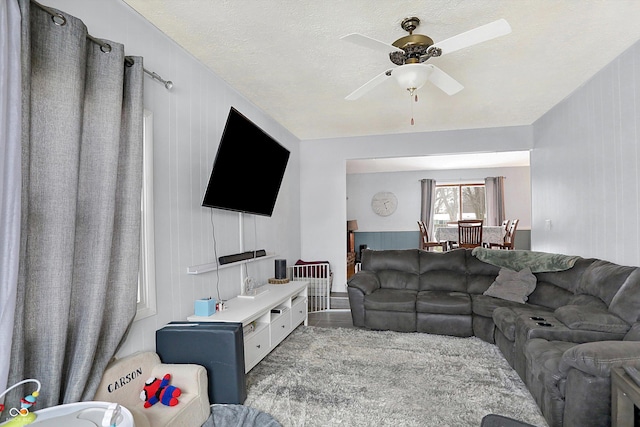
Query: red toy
x=156 y=390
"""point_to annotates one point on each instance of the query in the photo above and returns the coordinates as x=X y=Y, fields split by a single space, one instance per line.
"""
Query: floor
x=331 y=319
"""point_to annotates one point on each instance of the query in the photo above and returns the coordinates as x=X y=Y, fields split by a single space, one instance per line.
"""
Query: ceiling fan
x=410 y=52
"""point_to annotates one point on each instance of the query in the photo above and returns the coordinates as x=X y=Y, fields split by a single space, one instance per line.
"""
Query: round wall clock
x=384 y=203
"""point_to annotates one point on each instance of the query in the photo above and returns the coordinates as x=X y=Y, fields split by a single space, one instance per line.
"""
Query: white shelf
x=213 y=266
x=270 y=328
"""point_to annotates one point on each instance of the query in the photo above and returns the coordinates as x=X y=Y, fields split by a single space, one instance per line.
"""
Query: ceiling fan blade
x=478 y=35
x=444 y=81
x=368 y=42
x=380 y=78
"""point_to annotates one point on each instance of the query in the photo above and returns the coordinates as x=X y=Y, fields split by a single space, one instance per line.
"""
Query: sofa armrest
x=597 y=358
x=193 y=408
x=365 y=281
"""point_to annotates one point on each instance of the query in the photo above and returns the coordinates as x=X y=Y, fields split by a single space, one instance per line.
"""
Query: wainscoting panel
x=382 y=240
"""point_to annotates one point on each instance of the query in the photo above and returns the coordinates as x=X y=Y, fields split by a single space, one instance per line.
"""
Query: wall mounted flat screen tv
x=248 y=169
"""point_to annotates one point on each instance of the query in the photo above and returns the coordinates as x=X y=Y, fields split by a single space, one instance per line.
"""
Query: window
x=146 y=275
x=450 y=199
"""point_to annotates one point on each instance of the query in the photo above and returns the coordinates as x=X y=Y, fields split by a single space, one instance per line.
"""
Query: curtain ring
x=105 y=47
x=59 y=19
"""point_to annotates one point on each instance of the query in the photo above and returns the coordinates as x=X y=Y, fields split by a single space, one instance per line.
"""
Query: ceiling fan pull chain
x=411 y=95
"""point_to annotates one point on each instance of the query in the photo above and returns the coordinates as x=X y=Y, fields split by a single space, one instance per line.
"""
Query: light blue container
x=205 y=307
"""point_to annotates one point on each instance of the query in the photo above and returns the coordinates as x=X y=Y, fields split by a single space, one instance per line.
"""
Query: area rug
x=353 y=377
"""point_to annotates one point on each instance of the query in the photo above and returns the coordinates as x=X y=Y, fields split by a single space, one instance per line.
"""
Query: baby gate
x=319 y=277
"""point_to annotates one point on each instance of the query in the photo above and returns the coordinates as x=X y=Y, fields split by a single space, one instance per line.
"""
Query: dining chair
x=509 y=237
x=470 y=233
x=505 y=226
x=425 y=244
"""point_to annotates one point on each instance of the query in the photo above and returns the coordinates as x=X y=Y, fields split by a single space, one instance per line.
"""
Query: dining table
x=490 y=234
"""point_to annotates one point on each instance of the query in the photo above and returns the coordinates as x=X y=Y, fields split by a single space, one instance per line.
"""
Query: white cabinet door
x=280 y=328
x=256 y=346
x=298 y=311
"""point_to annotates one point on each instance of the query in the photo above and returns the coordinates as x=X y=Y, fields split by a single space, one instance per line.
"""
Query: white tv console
x=264 y=330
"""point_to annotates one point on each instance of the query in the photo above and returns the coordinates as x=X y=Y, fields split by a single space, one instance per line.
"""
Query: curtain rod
x=60 y=20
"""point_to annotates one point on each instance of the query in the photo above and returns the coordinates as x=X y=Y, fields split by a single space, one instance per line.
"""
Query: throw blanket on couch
x=516 y=260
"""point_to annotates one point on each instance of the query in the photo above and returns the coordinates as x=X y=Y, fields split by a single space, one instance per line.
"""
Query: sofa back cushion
x=557 y=288
x=626 y=302
x=566 y=279
x=480 y=275
x=549 y=295
x=603 y=279
x=633 y=334
x=443 y=271
x=396 y=269
x=587 y=300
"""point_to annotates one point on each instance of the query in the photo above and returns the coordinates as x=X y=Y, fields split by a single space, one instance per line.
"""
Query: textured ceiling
x=286 y=57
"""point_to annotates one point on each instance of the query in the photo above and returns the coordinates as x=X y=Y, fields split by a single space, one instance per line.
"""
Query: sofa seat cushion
x=391 y=300
x=505 y=317
x=591 y=318
x=543 y=362
x=484 y=305
x=443 y=302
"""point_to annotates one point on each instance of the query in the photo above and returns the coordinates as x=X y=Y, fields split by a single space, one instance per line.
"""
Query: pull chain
x=413 y=97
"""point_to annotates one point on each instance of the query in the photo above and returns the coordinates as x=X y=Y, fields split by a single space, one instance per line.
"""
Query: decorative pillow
x=588 y=318
x=513 y=285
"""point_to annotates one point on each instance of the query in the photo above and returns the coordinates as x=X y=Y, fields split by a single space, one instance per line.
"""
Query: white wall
x=584 y=168
x=406 y=187
x=188 y=123
x=324 y=188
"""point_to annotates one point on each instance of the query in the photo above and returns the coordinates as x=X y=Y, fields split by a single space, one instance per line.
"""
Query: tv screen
x=248 y=169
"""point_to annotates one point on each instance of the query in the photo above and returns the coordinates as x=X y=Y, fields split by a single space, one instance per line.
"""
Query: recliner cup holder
x=545 y=324
x=540 y=319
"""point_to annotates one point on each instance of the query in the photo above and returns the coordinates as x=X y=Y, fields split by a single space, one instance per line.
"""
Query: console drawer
x=280 y=328
x=256 y=346
x=298 y=311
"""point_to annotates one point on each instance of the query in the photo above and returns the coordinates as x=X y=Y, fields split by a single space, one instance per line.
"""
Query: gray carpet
x=352 y=377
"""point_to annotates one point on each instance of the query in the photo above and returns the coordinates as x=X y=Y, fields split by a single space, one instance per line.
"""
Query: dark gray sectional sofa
x=582 y=319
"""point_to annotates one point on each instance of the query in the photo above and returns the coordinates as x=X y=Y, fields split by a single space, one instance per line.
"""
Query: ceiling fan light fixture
x=412 y=76
x=410 y=52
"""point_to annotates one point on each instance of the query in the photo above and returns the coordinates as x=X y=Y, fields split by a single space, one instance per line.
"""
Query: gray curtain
x=494 y=194
x=10 y=126
x=427 y=203
x=82 y=179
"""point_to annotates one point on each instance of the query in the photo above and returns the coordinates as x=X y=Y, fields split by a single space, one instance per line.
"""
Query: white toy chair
x=124 y=379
